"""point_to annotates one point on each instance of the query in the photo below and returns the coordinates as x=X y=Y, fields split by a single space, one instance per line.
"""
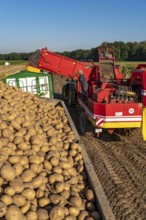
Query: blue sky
x=66 y=25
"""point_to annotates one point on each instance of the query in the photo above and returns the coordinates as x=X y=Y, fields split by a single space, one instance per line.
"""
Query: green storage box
x=37 y=83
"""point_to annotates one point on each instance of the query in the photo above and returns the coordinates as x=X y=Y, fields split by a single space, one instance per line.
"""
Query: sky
x=67 y=25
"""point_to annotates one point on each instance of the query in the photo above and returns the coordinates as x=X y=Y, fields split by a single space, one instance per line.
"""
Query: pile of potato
x=41 y=166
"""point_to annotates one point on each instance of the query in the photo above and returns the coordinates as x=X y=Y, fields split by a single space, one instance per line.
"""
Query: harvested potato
x=31 y=215
x=25 y=208
x=43 y=202
x=41 y=166
x=6 y=199
x=28 y=193
x=54 y=161
x=13 y=213
x=75 y=201
x=7 y=172
x=18 y=168
x=57 y=213
x=54 y=198
x=17 y=185
x=89 y=195
x=9 y=191
x=37 y=168
x=19 y=200
x=27 y=175
x=3 y=209
x=42 y=214
x=37 y=181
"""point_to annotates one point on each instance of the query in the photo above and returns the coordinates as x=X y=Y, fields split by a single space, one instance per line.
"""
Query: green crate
x=37 y=83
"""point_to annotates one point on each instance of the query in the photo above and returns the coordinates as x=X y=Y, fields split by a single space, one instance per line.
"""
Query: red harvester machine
x=111 y=102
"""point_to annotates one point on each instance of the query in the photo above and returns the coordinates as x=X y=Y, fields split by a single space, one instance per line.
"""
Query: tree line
x=129 y=51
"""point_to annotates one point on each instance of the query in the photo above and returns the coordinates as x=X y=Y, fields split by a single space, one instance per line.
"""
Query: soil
x=11 y=69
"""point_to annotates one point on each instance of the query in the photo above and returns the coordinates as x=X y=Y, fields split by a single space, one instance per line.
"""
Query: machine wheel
x=71 y=97
x=82 y=122
x=65 y=92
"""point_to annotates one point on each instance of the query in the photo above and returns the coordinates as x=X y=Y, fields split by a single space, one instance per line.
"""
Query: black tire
x=71 y=97
x=82 y=122
x=65 y=92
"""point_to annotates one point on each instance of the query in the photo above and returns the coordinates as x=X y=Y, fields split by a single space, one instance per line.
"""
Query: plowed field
x=6 y=70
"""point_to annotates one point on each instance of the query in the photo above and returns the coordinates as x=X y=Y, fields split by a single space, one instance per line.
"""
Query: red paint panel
x=115 y=109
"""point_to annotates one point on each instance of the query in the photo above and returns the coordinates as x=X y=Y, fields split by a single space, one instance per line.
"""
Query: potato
x=74 y=211
x=6 y=133
x=5 y=141
x=43 y=202
x=89 y=195
x=66 y=146
x=57 y=169
x=13 y=213
x=83 y=215
x=3 y=209
x=75 y=201
x=55 y=177
x=37 y=181
x=14 y=159
x=28 y=193
x=6 y=199
x=15 y=125
x=65 y=165
x=33 y=205
x=54 y=161
x=72 y=153
x=36 y=140
x=27 y=175
x=59 y=187
x=45 y=148
x=18 y=140
x=25 y=208
x=37 y=168
x=1 y=143
x=23 y=146
x=57 y=213
x=9 y=191
x=70 y=217
x=41 y=155
x=65 y=194
x=42 y=214
x=18 y=168
x=8 y=172
x=24 y=160
x=17 y=185
x=39 y=193
x=54 y=198
x=19 y=200
x=47 y=165
x=8 y=150
x=31 y=215
x=3 y=125
x=3 y=157
x=34 y=159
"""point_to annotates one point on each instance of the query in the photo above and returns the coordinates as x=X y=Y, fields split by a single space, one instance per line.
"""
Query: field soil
x=119 y=162
x=7 y=70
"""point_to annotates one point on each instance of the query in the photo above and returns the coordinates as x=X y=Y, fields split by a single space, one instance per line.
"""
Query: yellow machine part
x=33 y=69
x=144 y=123
x=109 y=125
